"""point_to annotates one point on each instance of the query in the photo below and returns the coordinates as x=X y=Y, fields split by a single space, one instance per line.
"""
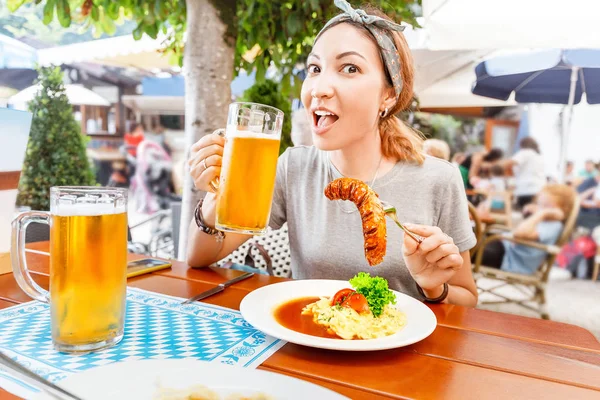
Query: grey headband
x=379 y=28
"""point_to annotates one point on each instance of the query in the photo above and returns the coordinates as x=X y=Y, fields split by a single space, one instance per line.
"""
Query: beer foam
x=86 y=209
x=233 y=133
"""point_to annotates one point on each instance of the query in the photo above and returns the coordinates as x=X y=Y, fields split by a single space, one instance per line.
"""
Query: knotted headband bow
x=379 y=28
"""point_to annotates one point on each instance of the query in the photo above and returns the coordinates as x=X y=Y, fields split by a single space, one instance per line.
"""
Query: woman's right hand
x=205 y=161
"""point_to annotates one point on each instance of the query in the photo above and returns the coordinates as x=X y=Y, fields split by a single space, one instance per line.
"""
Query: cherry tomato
x=340 y=296
x=357 y=302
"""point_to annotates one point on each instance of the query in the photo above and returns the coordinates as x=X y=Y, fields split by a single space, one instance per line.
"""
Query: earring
x=384 y=113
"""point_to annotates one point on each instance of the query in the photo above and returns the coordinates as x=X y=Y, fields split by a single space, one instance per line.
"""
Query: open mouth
x=322 y=119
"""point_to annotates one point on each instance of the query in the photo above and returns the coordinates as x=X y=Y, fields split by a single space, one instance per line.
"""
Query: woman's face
x=345 y=88
x=545 y=200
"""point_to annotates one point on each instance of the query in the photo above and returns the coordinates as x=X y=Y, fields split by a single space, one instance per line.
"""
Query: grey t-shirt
x=327 y=243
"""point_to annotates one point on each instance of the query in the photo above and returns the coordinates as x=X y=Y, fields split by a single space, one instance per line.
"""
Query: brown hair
x=398 y=140
x=497 y=170
x=529 y=143
x=133 y=126
x=563 y=195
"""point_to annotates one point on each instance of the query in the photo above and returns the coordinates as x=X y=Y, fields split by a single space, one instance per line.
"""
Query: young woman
x=544 y=223
x=360 y=74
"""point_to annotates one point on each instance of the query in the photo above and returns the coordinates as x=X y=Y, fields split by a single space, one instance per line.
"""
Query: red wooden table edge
x=43 y=247
x=531 y=340
x=374 y=392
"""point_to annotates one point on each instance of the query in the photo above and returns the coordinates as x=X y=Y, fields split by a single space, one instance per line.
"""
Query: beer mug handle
x=214 y=184
x=17 y=254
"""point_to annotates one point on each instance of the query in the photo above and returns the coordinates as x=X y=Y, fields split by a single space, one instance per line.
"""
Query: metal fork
x=390 y=211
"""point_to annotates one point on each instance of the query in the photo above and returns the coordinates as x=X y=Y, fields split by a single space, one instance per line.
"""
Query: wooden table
x=473 y=354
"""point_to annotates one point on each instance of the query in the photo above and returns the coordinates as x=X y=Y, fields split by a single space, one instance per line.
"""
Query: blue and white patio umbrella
x=551 y=76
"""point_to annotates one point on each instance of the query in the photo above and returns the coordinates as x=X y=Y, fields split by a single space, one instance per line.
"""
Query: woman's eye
x=350 y=69
x=313 y=69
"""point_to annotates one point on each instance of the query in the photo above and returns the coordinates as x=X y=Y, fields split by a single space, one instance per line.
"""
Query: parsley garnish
x=376 y=291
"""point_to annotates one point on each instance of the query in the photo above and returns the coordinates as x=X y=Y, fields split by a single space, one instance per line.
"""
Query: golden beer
x=247 y=182
x=88 y=267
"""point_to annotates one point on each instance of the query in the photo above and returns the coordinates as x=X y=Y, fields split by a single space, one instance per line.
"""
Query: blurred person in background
x=134 y=137
x=158 y=135
x=589 y=170
x=437 y=148
x=458 y=158
x=528 y=167
x=496 y=185
x=570 y=176
x=472 y=164
x=544 y=223
x=589 y=215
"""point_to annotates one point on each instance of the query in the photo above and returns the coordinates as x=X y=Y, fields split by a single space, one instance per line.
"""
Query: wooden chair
x=477 y=228
x=500 y=217
x=533 y=286
x=596 y=270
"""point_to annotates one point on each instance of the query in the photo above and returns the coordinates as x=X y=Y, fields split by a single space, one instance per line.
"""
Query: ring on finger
x=213 y=186
x=204 y=164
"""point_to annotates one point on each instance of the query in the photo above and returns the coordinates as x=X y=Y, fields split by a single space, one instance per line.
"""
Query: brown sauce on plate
x=289 y=315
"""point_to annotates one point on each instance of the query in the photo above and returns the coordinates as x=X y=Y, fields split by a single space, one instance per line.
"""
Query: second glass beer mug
x=245 y=189
x=88 y=265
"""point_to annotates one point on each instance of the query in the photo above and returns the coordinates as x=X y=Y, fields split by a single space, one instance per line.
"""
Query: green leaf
x=294 y=24
x=95 y=12
x=297 y=86
x=113 y=10
x=260 y=72
x=286 y=84
x=63 y=11
x=13 y=5
x=151 y=30
x=108 y=26
x=250 y=8
x=138 y=31
x=48 y=11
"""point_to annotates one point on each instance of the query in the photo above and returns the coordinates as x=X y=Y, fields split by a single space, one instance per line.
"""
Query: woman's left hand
x=433 y=262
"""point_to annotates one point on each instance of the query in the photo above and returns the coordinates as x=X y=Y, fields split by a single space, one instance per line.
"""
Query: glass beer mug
x=245 y=187
x=88 y=265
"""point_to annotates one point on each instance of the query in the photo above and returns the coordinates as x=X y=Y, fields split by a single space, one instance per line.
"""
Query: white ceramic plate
x=259 y=305
x=137 y=380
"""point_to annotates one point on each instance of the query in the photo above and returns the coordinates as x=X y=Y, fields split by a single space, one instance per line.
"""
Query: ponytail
x=400 y=141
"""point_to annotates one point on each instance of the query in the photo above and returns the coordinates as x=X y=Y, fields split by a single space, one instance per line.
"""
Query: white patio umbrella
x=553 y=76
x=511 y=24
x=119 y=51
x=77 y=95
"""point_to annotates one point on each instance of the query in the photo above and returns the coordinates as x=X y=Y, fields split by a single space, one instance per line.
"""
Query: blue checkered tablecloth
x=156 y=327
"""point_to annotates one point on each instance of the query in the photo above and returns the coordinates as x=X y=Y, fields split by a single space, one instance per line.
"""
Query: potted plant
x=56 y=152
